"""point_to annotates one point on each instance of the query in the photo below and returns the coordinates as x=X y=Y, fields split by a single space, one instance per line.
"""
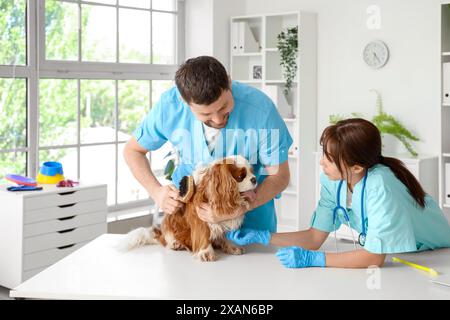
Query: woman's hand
x=243 y=236
x=297 y=257
x=168 y=200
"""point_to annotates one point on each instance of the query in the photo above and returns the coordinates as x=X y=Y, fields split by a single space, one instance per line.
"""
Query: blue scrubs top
x=394 y=221
x=254 y=130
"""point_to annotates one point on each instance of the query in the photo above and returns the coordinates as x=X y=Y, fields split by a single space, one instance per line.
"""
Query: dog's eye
x=242 y=176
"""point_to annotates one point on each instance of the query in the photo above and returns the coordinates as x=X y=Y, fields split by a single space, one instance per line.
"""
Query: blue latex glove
x=243 y=236
x=297 y=257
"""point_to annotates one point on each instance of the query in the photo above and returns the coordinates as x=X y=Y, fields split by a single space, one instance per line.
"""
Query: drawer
x=47 y=200
x=63 y=238
x=64 y=211
x=48 y=257
x=30 y=273
x=60 y=224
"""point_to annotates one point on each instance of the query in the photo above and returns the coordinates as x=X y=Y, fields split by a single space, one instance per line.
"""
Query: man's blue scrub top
x=254 y=130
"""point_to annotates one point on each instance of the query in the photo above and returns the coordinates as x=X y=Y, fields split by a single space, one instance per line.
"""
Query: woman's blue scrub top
x=254 y=130
x=394 y=221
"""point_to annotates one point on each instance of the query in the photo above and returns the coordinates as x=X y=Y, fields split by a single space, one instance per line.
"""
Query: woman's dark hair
x=358 y=142
x=202 y=80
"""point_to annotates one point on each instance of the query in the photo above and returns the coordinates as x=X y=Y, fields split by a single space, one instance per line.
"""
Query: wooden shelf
x=446 y=155
x=248 y=54
x=271 y=49
x=249 y=81
x=279 y=81
x=446 y=54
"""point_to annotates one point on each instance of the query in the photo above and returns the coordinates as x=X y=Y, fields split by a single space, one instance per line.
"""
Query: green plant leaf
x=386 y=124
x=288 y=47
x=170 y=167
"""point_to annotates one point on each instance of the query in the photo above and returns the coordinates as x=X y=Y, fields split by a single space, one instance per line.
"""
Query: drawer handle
x=66 y=218
x=67 y=205
x=66 y=193
x=65 y=247
x=67 y=230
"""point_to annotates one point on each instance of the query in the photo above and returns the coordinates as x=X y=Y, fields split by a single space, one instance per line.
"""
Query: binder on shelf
x=235 y=38
x=447 y=184
x=242 y=39
x=446 y=83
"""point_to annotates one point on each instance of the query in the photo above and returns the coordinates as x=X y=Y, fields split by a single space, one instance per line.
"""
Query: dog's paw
x=234 y=250
x=207 y=254
x=177 y=246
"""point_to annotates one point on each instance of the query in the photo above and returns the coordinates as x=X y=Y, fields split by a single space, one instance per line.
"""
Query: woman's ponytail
x=406 y=177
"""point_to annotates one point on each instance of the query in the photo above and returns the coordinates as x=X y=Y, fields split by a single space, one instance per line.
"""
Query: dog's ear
x=223 y=189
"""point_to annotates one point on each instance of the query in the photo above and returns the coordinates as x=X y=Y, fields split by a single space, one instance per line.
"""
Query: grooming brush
x=187 y=188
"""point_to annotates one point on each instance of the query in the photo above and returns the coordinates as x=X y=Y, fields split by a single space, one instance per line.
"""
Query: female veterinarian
x=384 y=203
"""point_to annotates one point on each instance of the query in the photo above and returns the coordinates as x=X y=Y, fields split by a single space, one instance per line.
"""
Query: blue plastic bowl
x=51 y=168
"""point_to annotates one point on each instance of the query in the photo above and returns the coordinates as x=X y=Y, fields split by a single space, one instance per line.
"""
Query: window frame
x=38 y=67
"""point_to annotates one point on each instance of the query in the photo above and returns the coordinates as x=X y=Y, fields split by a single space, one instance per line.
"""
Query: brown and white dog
x=220 y=185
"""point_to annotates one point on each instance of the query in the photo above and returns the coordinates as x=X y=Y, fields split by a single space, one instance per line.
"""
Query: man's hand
x=168 y=200
x=249 y=195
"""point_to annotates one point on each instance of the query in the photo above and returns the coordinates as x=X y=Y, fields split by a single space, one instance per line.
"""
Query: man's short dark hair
x=202 y=80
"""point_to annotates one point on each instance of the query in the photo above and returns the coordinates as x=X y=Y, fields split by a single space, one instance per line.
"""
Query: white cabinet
x=424 y=168
x=38 y=228
x=261 y=69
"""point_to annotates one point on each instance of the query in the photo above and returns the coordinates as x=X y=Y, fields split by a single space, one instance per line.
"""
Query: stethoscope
x=362 y=235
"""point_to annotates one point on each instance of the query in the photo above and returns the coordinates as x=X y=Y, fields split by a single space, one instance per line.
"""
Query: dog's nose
x=253 y=180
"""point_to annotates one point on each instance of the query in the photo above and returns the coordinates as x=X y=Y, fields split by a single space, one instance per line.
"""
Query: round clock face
x=376 y=54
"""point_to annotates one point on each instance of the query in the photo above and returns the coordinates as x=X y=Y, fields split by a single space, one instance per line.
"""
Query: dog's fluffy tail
x=139 y=237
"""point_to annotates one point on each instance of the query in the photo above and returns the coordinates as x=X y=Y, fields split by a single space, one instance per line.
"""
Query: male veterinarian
x=205 y=117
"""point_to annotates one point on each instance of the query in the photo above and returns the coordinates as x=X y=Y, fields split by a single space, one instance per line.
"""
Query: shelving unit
x=444 y=158
x=293 y=210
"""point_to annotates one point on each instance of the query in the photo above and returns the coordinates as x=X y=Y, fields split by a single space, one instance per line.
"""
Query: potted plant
x=288 y=47
x=387 y=125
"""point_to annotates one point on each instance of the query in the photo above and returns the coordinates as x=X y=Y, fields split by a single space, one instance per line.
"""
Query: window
x=13 y=88
x=91 y=75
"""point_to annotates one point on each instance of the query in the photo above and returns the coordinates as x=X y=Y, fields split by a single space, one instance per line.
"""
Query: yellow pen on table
x=417 y=266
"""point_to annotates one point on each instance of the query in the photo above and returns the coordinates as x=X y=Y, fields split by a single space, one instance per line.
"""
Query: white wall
x=208 y=27
x=409 y=83
x=198 y=28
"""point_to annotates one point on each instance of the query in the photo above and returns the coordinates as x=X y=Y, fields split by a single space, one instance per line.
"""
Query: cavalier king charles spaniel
x=220 y=185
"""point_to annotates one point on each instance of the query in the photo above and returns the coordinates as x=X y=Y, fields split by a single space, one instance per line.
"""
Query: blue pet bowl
x=51 y=168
